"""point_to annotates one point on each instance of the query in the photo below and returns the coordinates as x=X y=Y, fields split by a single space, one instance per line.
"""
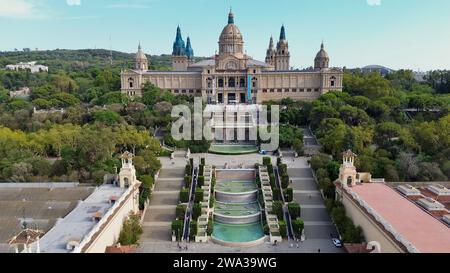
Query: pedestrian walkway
x=163 y=202
x=318 y=224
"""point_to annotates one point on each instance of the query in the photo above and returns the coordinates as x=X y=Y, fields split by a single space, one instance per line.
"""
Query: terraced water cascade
x=237 y=213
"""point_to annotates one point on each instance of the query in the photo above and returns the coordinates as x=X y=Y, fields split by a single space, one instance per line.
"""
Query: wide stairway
x=163 y=202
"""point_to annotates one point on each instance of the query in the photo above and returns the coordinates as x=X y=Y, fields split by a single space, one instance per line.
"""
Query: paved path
x=163 y=202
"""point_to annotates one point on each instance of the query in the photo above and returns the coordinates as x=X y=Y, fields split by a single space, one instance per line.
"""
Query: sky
x=410 y=34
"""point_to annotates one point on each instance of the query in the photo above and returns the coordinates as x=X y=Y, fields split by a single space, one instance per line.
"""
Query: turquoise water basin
x=238 y=233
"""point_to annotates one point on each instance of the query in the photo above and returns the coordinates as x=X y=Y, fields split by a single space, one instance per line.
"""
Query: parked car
x=337 y=242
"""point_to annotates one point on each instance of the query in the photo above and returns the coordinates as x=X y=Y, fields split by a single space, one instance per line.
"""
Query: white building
x=32 y=66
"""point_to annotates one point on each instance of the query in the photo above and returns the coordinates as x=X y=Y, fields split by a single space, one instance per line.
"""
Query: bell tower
x=347 y=172
x=282 y=60
x=127 y=175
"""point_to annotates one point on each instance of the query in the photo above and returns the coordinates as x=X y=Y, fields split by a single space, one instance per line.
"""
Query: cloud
x=73 y=2
x=374 y=2
x=17 y=8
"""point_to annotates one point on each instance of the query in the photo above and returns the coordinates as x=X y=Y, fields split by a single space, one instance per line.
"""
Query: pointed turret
x=231 y=17
x=179 y=47
x=189 y=50
x=141 y=61
x=322 y=60
x=271 y=53
x=282 y=33
x=282 y=60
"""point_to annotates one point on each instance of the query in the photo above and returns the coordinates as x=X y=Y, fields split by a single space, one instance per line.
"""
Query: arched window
x=242 y=82
x=231 y=82
x=333 y=81
x=126 y=182
x=131 y=82
x=220 y=82
x=349 y=181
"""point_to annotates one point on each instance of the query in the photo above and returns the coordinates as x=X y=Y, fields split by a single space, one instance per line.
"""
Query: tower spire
x=231 y=17
x=282 y=33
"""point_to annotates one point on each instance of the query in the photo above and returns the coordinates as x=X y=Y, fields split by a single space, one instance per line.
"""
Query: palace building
x=231 y=76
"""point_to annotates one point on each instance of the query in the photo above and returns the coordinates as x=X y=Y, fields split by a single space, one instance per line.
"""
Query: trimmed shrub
x=270 y=169
x=180 y=211
x=282 y=168
x=177 y=228
x=201 y=181
x=285 y=181
x=184 y=195
x=298 y=225
x=187 y=181
x=294 y=210
x=276 y=194
x=283 y=229
x=212 y=200
x=188 y=170
x=277 y=209
x=202 y=161
x=199 y=195
x=147 y=181
x=272 y=181
x=201 y=170
x=289 y=195
x=267 y=161
x=196 y=211
x=191 y=161
x=131 y=231
x=258 y=181
x=192 y=230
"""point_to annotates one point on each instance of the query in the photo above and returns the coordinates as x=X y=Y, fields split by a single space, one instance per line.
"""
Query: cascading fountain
x=237 y=213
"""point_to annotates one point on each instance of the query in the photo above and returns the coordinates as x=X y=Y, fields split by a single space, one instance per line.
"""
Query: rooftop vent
x=439 y=190
x=72 y=244
x=408 y=190
x=446 y=219
x=431 y=204
x=96 y=217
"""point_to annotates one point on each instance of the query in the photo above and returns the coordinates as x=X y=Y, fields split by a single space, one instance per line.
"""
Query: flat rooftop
x=79 y=222
x=40 y=205
x=425 y=232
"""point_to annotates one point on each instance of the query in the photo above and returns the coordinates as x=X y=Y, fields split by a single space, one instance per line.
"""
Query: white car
x=337 y=242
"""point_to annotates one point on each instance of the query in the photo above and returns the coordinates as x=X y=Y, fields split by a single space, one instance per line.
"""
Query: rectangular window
x=294 y=90
x=264 y=90
x=316 y=90
x=309 y=90
x=177 y=91
x=272 y=90
x=183 y=91
x=279 y=90
x=286 y=90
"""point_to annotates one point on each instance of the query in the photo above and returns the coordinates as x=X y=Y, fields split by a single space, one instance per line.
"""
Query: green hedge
x=276 y=194
x=180 y=211
x=298 y=225
x=294 y=210
x=285 y=181
x=277 y=209
x=199 y=195
x=267 y=161
x=184 y=195
x=201 y=170
x=196 y=211
x=202 y=161
x=187 y=181
x=210 y=228
x=283 y=229
x=289 y=193
x=192 y=230
x=177 y=227
x=201 y=181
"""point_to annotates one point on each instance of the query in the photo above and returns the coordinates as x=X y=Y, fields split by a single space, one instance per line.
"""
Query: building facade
x=231 y=76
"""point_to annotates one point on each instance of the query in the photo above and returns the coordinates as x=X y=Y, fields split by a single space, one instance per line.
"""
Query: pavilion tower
x=282 y=60
x=322 y=60
x=141 y=61
x=179 y=57
x=271 y=53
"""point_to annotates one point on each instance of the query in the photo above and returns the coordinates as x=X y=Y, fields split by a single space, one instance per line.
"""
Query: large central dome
x=231 y=40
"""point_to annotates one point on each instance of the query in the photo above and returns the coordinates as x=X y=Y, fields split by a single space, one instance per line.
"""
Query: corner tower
x=179 y=57
x=271 y=53
x=141 y=61
x=322 y=60
x=283 y=57
x=189 y=51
